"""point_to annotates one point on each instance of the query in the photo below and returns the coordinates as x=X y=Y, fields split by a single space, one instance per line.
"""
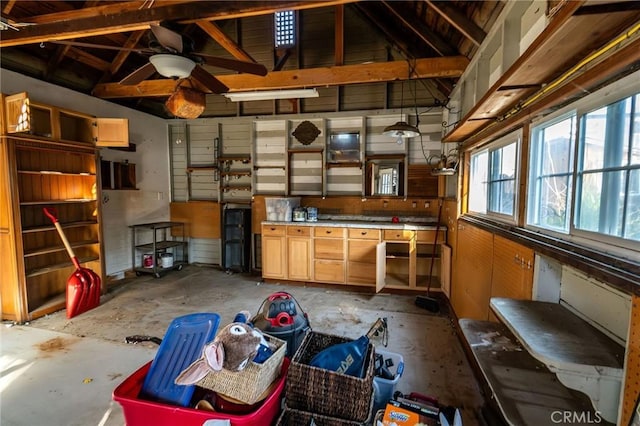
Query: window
x=608 y=175
x=550 y=174
x=584 y=177
x=493 y=178
x=285 y=29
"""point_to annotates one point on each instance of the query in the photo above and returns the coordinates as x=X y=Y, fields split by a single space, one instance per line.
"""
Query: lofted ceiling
x=53 y=41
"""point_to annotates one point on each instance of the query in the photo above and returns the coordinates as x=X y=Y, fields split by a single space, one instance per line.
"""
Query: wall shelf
x=53 y=249
x=49 y=202
x=58 y=266
x=64 y=226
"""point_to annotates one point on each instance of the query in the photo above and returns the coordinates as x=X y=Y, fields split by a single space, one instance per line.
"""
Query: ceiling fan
x=172 y=55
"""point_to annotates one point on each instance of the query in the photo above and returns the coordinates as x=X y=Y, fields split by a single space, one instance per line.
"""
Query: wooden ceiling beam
x=121 y=57
x=458 y=20
x=223 y=40
x=429 y=37
x=113 y=20
x=87 y=59
x=8 y=6
x=447 y=67
x=90 y=12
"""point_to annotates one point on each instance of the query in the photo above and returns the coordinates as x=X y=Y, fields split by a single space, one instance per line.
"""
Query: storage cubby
x=75 y=127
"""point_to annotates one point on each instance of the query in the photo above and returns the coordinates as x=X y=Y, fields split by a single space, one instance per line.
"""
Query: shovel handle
x=51 y=214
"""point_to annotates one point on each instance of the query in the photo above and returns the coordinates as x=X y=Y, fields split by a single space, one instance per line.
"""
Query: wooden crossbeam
x=445 y=67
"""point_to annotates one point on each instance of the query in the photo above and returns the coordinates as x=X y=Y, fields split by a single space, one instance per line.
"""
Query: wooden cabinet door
x=274 y=257
x=513 y=269
x=299 y=258
x=361 y=264
x=17 y=113
x=111 y=132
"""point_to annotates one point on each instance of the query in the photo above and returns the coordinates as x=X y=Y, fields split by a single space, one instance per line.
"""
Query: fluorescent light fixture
x=264 y=95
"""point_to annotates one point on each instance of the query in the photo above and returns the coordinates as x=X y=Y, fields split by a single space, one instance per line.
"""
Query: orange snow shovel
x=83 y=286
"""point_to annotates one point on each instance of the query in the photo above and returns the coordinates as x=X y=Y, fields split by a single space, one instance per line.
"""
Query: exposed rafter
x=450 y=67
x=223 y=40
x=460 y=22
x=112 y=20
x=428 y=36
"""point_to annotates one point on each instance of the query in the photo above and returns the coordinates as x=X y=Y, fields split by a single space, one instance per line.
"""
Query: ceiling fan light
x=172 y=66
x=401 y=130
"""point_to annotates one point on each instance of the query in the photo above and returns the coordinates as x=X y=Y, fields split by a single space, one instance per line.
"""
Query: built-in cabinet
x=347 y=255
x=488 y=265
x=298 y=253
x=329 y=254
x=49 y=160
x=274 y=243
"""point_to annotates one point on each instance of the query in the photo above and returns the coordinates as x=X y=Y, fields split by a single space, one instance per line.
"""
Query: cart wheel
x=157 y=275
x=180 y=267
x=138 y=273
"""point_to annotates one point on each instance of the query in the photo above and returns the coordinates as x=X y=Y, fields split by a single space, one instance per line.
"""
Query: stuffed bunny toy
x=232 y=349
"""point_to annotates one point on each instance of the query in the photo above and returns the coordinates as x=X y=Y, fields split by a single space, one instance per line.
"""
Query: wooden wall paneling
x=201 y=218
x=429 y=141
x=512 y=269
x=472 y=276
x=632 y=365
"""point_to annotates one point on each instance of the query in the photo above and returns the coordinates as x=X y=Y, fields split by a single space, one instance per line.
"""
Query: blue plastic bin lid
x=182 y=344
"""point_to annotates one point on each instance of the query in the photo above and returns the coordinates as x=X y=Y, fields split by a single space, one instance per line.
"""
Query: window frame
x=616 y=91
x=500 y=143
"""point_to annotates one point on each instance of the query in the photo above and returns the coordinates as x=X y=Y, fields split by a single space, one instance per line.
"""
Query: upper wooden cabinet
x=24 y=116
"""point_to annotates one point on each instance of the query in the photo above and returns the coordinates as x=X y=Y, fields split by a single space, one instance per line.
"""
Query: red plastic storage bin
x=140 y=412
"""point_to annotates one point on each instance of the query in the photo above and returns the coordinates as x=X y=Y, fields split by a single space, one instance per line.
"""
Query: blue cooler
x=280 y=316
x=383 y=389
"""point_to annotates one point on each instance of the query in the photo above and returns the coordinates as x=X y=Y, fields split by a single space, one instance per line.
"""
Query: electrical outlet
x=426 y=204
x=414 y=204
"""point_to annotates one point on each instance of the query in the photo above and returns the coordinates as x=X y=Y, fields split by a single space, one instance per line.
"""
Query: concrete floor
x=56 y=371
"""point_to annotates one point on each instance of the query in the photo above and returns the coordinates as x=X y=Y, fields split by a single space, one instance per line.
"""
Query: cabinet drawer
x=328 y=271
x=398 y=235
x=299 y=231
x=428 y=236
x=328 y=248
x=274 y=230
x=328 y=232
x=364 y=233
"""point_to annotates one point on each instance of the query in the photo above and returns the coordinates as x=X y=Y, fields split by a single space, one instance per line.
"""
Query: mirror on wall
x=385 y=178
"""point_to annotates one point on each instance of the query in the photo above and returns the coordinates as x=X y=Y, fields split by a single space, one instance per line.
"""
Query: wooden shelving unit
x=49 y=159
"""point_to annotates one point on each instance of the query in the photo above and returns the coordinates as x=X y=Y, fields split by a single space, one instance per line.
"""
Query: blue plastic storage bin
x=182 y=344
x=383 y=389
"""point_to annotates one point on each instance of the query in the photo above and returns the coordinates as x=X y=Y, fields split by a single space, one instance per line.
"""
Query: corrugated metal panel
x=204 y=250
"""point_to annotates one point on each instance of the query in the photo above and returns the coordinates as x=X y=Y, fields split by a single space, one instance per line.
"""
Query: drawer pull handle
x=328 y=232
x=273 y=229
x=363 y=233
x=299 y=230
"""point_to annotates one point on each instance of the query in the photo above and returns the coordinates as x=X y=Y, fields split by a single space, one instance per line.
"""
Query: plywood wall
x=632 y=365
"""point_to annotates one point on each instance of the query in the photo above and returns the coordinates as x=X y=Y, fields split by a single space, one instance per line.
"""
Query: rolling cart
x=158 y=247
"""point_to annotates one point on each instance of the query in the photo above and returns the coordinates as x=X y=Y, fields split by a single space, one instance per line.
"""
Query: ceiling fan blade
x=233 y=64
x=139 y=75
x=167 y=37
x=210 y=82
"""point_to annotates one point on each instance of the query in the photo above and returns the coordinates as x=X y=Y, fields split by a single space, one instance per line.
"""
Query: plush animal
x=234 y=346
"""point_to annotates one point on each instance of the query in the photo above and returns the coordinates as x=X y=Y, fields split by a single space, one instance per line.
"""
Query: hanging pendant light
x=401 y=129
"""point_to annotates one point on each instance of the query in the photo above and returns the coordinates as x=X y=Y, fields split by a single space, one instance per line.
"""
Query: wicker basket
x=249 y=385
x=325 y=392
x=292 y=417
